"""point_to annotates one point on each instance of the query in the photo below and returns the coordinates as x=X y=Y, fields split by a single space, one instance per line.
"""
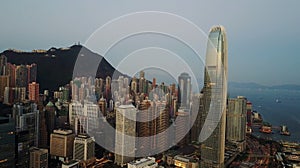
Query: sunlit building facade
x=215 y=95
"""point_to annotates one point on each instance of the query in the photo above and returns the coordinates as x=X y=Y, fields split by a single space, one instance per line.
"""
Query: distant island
x=252 y=85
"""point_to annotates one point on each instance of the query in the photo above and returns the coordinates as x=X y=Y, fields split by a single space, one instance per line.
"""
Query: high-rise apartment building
x=21 y=76
x=125 y=128
x=182 y=126
x=215 y=96
x=4 y=82
x=33 y=90
x=32 y=73
x=102 y=105
x=11 y=68
x=249 y=113
x=236 y=119
x=236 y=122
x=3 y=65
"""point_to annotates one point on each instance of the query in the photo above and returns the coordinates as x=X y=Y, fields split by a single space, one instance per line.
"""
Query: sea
x=277 y=106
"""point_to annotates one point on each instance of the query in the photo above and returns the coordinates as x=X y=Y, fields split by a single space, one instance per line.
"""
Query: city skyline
x=149 y=84
x=254 y=30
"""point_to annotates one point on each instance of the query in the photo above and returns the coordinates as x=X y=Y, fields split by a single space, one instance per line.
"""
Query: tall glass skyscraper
x=184 y=82
x=214 y=94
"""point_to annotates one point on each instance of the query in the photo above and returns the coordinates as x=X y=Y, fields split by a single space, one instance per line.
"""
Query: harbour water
x=278 y=107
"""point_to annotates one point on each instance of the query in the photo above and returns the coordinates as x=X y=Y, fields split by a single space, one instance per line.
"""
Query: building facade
x=215 y=96
x=84 y=148
x=184 y=81
x=236 y=119
x=125 y=128
x=34 y=89
x=38 y=158
x=61 y=144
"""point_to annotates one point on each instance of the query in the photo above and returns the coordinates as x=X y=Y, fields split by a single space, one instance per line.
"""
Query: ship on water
x=284 y=130
x=278 y=101
x=266 y=128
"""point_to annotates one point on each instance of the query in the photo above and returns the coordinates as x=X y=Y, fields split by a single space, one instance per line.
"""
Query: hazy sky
x=262 y=35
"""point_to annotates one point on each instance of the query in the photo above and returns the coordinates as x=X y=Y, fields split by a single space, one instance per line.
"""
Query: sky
x=262 y=35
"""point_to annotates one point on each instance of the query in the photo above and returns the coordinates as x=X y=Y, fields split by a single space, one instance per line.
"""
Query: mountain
x=252 y=85
x=55 y=66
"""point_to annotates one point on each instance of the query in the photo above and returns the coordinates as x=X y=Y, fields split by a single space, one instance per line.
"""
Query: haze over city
x=262 y=34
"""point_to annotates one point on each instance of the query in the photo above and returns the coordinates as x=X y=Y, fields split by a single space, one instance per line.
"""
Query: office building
x=75 y=110
x=215 y=97
x=197 y=107
x=27 y=131
x=84 y=148
x=184 y=82
x=7 y=142
x=43 y=131
x=38 y=158
x=61 y=144
x=50 y=117
x=91 y=111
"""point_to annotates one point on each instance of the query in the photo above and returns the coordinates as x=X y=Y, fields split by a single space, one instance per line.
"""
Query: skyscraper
x=50 y=116
x=142 y=83
x=184 y=82
x=32 y=73
x=27 y=118
x=215 y=95
x=125 y=126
